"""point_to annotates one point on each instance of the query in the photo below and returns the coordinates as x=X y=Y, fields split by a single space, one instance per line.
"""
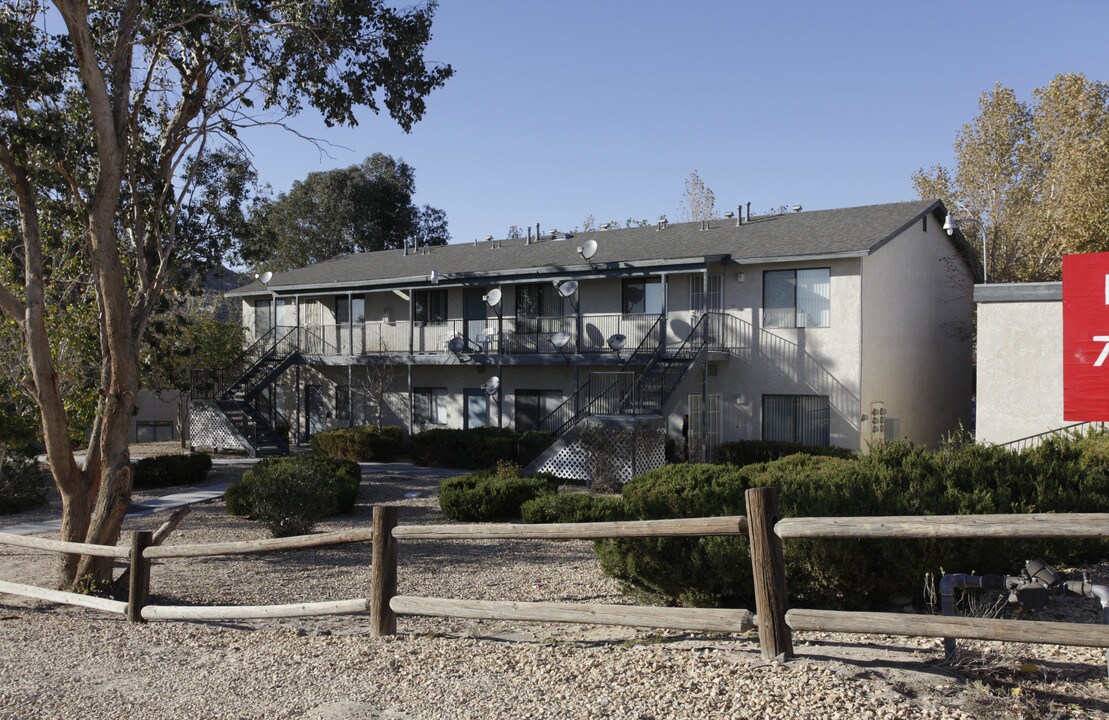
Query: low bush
x=1062 y=475
x=171 y=470
x=365 y=443
x=289 y=495
x=750 y=452
x=488 y=497
x=21 y=483
x=474 y=449
x=572 y=507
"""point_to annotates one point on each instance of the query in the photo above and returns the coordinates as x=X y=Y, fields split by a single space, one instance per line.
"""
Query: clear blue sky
x=559 y=109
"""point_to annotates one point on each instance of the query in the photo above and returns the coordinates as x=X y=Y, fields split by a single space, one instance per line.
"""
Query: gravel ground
x=61 y=662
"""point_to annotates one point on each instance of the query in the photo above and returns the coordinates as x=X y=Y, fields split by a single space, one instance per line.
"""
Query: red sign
x=1086 y=337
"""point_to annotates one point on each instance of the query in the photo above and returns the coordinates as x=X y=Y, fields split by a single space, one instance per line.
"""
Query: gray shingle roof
x=819 y=233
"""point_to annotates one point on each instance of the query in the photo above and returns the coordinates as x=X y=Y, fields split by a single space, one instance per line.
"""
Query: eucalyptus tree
x=108 y=109
x=360 y=208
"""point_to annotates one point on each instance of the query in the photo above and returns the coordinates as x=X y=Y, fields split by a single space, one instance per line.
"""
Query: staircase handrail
x=636 y=388
x=638 y=348
x=268 y=353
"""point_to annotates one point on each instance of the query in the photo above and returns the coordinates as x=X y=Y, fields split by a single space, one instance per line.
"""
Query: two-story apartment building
x=839 y=327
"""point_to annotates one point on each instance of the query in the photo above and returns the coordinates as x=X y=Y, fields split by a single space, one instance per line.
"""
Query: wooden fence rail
x=762 y=525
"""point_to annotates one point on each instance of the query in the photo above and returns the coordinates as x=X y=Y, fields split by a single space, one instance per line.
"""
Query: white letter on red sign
x=1104 y=351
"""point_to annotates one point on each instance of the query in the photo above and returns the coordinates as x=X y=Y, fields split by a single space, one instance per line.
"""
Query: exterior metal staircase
x=625 y=393
x=237 y=394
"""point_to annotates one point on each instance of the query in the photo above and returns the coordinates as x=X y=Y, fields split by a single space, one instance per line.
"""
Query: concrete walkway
x=216 y=490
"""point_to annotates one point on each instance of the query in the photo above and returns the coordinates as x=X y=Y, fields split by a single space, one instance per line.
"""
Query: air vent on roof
x=662 y=222
x=556 y=235
x=796 y=208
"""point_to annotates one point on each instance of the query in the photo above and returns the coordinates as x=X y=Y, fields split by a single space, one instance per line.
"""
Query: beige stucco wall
x=787 y=361
x=1020 y=369
x=917 y=304
x=154 y=407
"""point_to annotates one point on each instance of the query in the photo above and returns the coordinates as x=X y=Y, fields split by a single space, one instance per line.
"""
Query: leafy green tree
x=108 y=113
x=1031 y=179
x=182 y=346
x=360 y=208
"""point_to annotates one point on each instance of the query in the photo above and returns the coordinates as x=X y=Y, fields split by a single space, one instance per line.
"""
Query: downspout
x=704 y=370
x=664 y=325
x=299 y=399
x=411 y=399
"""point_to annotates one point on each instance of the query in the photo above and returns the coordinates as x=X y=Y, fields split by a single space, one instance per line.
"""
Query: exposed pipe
x=1033 y=587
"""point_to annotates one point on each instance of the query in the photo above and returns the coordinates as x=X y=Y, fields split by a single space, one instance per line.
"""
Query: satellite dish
x=493 y=297
x=456 y=344
x=568 y=288
x=559 y=339
x=588 y=249
x=266 y=277
x=617 y=342
x=492 y=385
x=433 y=278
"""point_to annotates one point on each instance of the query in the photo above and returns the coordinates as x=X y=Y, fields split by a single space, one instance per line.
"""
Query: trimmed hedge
x=289 y=495
x=21 y=483
x=487 y=497
x=1062 y=475
x=474 y=449
x=749 y=452
x=573 y=507
x=365 y=443
x=170 y=470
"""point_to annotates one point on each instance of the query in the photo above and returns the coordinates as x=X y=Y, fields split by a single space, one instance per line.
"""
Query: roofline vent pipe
x=529 y=236
x=738 y=215
x=748 y=211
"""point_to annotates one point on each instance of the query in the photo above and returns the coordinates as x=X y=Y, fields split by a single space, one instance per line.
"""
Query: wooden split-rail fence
x=765 y=532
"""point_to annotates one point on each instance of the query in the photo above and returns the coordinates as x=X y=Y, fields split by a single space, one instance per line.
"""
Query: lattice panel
x=210 y=428
x=619 y=452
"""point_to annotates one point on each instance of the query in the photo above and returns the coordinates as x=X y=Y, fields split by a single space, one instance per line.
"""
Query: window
x=347 y=309
x=263 y=317
x=642 y=296
x=430 y=306
x=796 y=418
x=797 y=298
x=153 y=431
x=697 y=294
x=430 y=406
x=538 y=300
x=342 y=402
x=534 y=405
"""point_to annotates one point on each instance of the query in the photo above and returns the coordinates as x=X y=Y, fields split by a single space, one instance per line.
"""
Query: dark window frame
x=770 y=313
x=627 y=304
x=798 y=416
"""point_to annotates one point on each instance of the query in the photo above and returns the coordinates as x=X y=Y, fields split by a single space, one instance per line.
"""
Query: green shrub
x=171 y=470
x=750 y=452
x=365 y=443
x=474 y=449
x=572 y=507
x=289 y=495
x=1063 y=475
x=486 y=497
x=21 y=483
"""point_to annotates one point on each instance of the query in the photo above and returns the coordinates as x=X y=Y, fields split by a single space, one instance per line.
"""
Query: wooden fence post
x=138 y=586
x=768 y=566
x=383 y=573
